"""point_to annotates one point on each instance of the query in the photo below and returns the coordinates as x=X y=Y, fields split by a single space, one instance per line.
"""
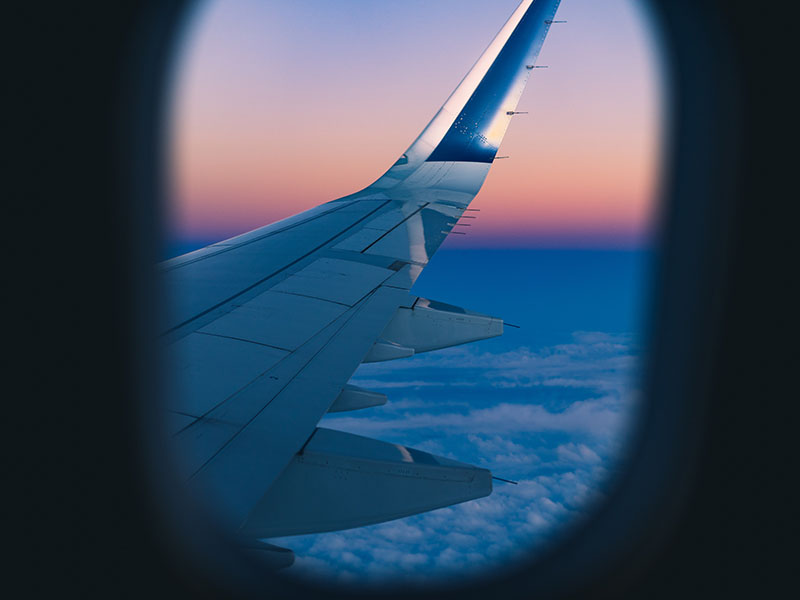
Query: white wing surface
x=265 y=329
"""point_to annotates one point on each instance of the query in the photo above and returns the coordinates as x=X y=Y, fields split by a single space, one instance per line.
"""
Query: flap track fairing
x=429 y=325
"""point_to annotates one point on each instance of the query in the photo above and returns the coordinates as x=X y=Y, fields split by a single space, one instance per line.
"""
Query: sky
x=281 y=105
x=550 y=406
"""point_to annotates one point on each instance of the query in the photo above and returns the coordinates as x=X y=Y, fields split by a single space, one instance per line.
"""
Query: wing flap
x=235 y=452
x=341 y=480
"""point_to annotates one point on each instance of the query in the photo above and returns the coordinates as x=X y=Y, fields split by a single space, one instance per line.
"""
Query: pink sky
x=282 y=105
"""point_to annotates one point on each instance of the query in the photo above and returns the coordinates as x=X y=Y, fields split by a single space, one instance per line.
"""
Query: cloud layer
x=555 y=420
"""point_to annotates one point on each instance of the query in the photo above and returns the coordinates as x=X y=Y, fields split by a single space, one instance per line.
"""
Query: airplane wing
x=265 y=329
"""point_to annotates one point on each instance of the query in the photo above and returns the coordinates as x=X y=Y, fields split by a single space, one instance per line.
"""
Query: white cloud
x=559 y=439
x=579 y=453
x=597 y=416
x=370 y=383
x=593 y=360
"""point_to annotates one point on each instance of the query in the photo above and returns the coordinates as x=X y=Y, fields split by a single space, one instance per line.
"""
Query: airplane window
x=268 y=120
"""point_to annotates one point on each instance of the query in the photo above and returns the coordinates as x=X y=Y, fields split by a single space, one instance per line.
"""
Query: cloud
x=579 y=453
x=597 y=416
x=553 y=419
x=367 y=383
x=593 y=360
x=472 y=537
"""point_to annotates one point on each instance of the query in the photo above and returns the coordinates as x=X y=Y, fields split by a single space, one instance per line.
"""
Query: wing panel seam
x=224 y=249
x=416 y=212
x=238 y=339
x=356 y=309
x=271 y=275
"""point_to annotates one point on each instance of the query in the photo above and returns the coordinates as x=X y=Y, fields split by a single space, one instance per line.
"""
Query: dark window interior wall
x=705 y=509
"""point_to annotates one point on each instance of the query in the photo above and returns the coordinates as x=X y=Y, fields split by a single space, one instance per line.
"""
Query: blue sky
x=549 y=405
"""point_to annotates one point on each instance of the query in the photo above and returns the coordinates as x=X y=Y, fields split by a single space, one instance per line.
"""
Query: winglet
x=471 y=124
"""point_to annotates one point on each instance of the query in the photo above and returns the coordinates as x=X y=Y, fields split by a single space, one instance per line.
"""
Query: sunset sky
x=281 y=105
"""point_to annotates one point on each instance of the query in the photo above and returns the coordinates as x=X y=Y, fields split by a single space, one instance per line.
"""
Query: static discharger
x=505 y=480
x=529 y=67
x=549 y=22
x=511 y=113
x=454 y=232
x=501 y=157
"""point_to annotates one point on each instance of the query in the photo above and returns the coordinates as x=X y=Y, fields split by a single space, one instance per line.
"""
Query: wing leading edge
x=266 y=329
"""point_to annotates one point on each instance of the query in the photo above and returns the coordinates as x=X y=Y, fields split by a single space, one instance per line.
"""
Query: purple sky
x=282 y=105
